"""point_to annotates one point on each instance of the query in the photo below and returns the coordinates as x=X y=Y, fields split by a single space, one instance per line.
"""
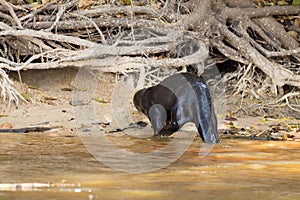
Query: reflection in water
x=235 y=169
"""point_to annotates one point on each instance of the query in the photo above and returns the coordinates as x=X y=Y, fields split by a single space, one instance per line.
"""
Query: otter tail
x=207 y=120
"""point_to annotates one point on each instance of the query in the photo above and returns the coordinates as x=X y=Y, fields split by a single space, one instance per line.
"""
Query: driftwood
x=129 y=38
x=25 y=129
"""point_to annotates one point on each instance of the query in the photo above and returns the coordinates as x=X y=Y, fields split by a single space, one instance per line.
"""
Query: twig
x=54 y=53
x=48 y=36
x=7 y=89
x=4 y=26
x=230 y=52
x=59 y=14
x=286 y=98
x=238 y=87
x=8 y=6
x=39 y=10
x=280 y=53
x=113 y=10
x=95 y=25
x=297 y=94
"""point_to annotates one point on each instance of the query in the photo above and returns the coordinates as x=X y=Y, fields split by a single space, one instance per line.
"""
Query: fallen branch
x=48 y=36
x=26 y=129
x=232 y=13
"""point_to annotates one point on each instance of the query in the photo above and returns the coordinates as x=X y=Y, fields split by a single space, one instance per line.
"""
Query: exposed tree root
x=8 y=92
x=148 y=38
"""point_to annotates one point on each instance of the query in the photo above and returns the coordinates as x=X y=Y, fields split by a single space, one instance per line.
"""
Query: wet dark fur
x=179 y=99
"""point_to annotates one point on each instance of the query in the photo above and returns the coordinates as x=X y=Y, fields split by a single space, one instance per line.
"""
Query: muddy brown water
x=45 y=166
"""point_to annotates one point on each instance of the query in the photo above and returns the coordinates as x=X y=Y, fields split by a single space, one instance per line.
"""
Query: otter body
x=178 y=99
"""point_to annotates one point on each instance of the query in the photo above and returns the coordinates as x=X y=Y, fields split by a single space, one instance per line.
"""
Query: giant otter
x=178 y=99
